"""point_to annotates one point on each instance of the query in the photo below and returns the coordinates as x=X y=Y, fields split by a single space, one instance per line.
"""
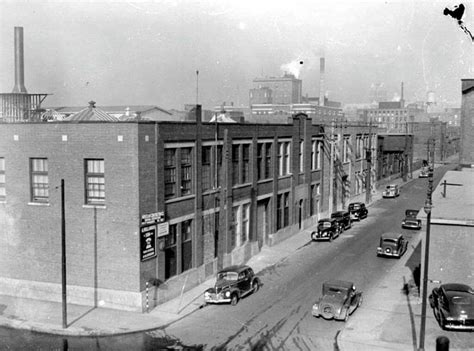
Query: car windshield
x=390 y=187
x=355 y=207
x=334 y=291
x=231 y=276
x=390 y=241
x=325 y=224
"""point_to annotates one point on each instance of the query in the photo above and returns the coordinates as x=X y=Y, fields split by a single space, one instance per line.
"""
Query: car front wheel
x=255 y=287
x=234 y=299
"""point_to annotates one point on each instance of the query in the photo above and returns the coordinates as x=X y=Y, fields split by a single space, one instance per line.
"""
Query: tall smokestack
x=321 y=81
x=402 y=102
x=19 y=64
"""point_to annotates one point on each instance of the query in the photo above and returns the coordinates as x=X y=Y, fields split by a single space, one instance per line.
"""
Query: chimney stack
x=19 y=63
x=321 y=81
x=402 y=101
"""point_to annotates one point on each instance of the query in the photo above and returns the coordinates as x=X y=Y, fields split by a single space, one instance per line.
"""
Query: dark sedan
x=453 y=306
x=357 y=210
x=343 y=218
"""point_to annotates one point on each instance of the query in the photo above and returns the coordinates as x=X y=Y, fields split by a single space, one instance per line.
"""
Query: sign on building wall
x=152 y=218
x=148 y=242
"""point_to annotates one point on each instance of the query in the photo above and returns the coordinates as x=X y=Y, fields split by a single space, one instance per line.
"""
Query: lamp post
x=428 y=209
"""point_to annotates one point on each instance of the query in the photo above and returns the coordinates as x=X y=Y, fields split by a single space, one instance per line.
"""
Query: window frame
x=96 y=200
x=39 y=191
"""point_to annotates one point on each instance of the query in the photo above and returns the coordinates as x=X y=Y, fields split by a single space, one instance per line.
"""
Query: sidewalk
x=389 y=328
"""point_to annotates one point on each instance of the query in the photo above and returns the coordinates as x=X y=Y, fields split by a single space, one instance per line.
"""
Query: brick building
x=161 y=202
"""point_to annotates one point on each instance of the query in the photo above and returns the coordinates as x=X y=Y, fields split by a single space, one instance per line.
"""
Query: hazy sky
x=143 y=52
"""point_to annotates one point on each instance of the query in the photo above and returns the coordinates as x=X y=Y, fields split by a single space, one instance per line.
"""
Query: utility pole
x=405 y=155
x=368 y=156
x=428 y=207
x=63 y=257
x=331 y=170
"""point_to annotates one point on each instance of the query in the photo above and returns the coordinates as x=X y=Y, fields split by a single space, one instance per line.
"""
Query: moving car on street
x=358 y=211
x=392 y=245
x=343 y=218
x=391 y=190
x=339 y=300
x=232 y=283
x=328 y=229
x=410 y=221
x=453 y=306
x=423 y=173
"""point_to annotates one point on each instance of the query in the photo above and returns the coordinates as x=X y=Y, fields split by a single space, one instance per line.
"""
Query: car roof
x=339 y=283
x=235 y=268
x=457 y=287
x=356 y=203
x=326 y=220
x=391 y=235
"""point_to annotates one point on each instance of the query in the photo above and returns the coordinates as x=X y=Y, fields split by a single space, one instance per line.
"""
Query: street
x=278 y=316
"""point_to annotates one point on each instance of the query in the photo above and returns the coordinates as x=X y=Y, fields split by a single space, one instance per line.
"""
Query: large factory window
x=39 y=180
x=95 y=181
x=170 y=252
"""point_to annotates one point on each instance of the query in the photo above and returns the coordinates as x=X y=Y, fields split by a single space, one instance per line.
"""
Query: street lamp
x=428 y=209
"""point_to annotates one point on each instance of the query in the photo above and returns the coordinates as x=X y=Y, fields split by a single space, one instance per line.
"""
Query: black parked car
x=453 y=306
x=358 y=211
x=232 y=283
x=328 y=229
x=343 y=218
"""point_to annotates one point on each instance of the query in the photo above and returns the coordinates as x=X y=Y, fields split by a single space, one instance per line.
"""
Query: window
x=235 y=164
x=245 y=163
x=284 y=150
x=39 y=180
x=245 y=223
x=301 y=156
x=240 y=163
x=170 y=173
x=219 y=165
x=264 y=160
x=178 y=172
x=95 y=182
x=206 y=168
x=234 y=226
x=314 y=203
x=2 y=179
x=170 y=252
x=186 y=171
x=186 y=246
x=345 y=150
x=283 y=210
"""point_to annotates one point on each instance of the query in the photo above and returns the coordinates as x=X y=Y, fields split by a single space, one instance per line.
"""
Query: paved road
x=279 y=315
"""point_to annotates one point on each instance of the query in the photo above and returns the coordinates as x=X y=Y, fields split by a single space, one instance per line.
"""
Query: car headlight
x=227 y=294
x=206 y=294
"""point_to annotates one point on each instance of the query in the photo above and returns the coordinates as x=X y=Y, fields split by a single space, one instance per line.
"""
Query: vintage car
x=328 y=229
x=343 y=218
x=357 y=210
x=424 y=173
x=453 y=306
x=410 y=221
x=391 y=190
x=339 y=300
x=392 y=244
x=232 y=283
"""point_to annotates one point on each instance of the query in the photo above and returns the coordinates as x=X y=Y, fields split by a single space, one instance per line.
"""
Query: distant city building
x=276 y=90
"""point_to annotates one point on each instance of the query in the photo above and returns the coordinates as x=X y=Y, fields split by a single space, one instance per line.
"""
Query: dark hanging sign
x=148 y=242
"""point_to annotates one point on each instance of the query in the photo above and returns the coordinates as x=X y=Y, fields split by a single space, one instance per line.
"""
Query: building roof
x=221 y=118
x=457 y=207
x=51 y=115
x=91 y=113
